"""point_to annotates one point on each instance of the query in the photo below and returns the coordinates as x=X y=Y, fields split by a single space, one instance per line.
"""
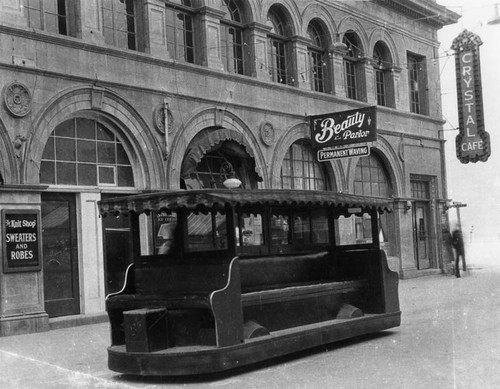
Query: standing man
x=457 y=241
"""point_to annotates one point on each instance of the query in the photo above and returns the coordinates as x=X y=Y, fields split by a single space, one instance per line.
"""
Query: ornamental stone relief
x=159 y=118
x=17 y=99
x=267 y=133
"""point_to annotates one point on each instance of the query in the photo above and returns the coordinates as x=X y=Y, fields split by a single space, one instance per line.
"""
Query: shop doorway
x=421 y=235
x=60 y=254
x=119 y=249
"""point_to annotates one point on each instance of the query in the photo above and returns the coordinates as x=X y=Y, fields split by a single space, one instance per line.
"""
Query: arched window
x=233 y=38
x=119 y=23
x=371 y=178
x=352 y=66
x=300 y=169
x=180 y=30
x=382 y=67
x=280 y=68
x=84 y=152
x=316 y=51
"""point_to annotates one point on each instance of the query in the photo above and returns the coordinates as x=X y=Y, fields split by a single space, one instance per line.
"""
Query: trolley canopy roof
x=205 y=199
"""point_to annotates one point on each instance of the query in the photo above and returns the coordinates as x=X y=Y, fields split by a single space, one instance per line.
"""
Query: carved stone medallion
x=159 y=119
x=267 y=133
x=17 y=99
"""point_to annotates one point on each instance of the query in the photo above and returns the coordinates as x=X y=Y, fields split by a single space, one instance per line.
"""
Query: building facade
x=111 y=97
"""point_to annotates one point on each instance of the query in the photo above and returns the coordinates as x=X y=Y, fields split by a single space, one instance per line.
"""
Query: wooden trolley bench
x=195 y=311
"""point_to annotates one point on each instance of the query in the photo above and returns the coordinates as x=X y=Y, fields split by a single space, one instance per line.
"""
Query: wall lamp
x=407 y=205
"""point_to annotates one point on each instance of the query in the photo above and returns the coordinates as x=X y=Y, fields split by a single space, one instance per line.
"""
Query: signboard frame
x=29 y=245
x=472 y=142
x=344 y=128
x=340 y=153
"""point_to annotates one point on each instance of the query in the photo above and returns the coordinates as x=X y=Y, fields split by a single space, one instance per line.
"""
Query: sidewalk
x=448 y=342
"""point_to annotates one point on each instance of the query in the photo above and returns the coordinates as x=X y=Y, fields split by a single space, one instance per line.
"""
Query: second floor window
x=278 y=43
x=180 y=32
x=417 y=81
x=119 y=23
x=232 y=39
x=352 y=65
x=382 y=65
x=47 y=15
x=316 y=51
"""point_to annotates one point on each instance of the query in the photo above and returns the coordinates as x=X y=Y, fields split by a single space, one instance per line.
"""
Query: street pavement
x=449 y=338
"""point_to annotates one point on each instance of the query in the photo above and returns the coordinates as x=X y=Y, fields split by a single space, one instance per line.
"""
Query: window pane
x=125 y=176
x=47 y=172
x=85 y=129
x=66 y=173
x=86 y=151
x=48 y=152
x=104 y=134
x=301 y=228
x=106 y=152
x=206 y=232
x=251 y=230
x=87 y=174
x=66 y=129
x=106 y=175
x=121 y=155
x=320 y=230
x=65 y=149
x=280 y=228
x=353 y=230
x=165 y=225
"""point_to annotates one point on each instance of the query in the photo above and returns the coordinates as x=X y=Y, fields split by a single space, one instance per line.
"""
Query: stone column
x=259 y=53
x=92 y=21
x=156 y=29
x=338 y=73
x=301 y=74
x=371 y=88
x=11 y=13
x=210 y=38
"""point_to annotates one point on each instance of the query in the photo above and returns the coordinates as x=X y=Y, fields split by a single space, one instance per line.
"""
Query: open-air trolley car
x=226 y=278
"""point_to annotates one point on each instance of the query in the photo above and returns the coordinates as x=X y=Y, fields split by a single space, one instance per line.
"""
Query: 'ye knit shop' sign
x=472 y=142
x=343 y=128
x=21 y=240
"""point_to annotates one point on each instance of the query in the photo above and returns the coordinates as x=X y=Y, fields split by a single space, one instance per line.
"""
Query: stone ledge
x=76 y=320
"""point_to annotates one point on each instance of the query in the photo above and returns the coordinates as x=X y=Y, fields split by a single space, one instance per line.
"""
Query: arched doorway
x=372 y=179
x=80 y=155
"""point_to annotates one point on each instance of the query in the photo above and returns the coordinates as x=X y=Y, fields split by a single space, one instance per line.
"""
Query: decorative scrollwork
x=17 y=99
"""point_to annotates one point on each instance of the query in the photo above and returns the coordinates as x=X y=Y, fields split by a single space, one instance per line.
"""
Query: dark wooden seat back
x=279 y=271
x=177 y=279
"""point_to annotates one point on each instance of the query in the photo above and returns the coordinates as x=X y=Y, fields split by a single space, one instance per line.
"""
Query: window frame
x=68 y=133
x=132 y=32
x=185 y=51
x=233 y=54
x=417 y=84
x=310 y=163
x=279 y=48
x=68 y=18
x=318 y=68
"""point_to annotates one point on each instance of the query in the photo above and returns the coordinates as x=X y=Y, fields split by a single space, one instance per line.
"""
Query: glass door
x=60 y=255
x=421 y=235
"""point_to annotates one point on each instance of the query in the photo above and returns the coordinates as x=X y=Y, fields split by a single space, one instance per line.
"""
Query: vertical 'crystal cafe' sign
x=473 y=142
